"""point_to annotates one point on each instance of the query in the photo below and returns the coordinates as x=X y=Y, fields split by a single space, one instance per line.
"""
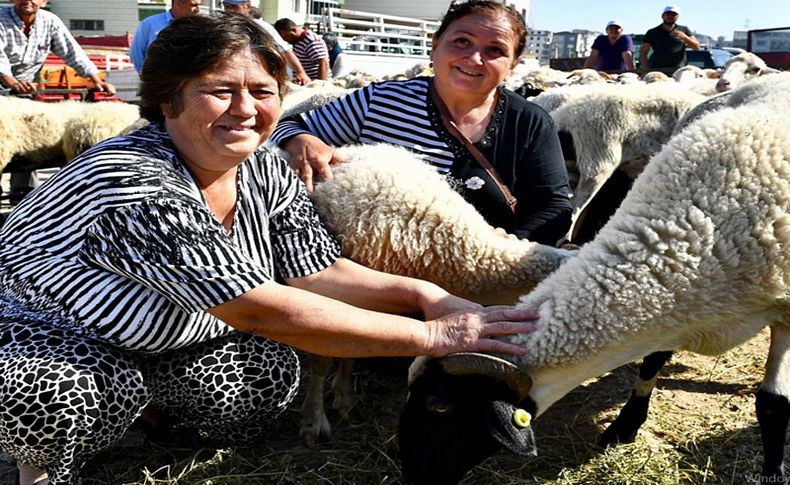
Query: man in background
x=243 y=7
x=27 y=35
x=308 y=47
x=613 y=51
x=149 y=28
x=668 y=41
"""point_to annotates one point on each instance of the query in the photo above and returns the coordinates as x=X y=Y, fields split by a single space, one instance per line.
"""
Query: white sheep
x=697 y=257
x=394 y=213
x=553 y=98
x=98 y=122
x=656 y=77
x=617 y=124
x=43 y=132
x=740 y=69
x=766 y=89
x=308 y=98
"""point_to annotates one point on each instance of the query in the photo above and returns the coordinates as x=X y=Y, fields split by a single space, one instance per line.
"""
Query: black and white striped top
x=390 y=112
x=310 y=49
x=120 y=244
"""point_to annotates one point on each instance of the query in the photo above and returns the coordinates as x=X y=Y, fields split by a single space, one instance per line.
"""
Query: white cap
x=616 y=23
x=671 y=8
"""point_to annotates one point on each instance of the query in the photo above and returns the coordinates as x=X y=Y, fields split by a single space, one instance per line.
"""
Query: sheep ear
x=503 y=428
x=770 y=70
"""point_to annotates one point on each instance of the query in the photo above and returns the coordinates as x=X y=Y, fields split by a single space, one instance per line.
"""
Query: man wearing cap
x=668 y=41
x=613 y=51
x=149 y=28
x=308 y=47
x=243 y=7
x=27 y=35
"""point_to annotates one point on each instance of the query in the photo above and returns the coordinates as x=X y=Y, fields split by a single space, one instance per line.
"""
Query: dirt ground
x=701 y=429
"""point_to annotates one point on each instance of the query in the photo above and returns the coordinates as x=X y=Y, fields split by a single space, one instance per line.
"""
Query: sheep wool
x=43 y=132
x=394 y=213
x=697 y=257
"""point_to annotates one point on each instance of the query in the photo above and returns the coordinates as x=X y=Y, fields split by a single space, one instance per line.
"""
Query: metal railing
x=380 y=35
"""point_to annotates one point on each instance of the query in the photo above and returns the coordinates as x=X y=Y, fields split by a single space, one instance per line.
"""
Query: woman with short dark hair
x=173 y=269
x=476 y=47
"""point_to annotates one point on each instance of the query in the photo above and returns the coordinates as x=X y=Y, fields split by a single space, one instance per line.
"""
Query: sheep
x=628 y=78
x=394 y=213
x=697 y=257
x=42 y=132
x=655 y=77
x=539 y=79
x=611 y=126
x=741 y=68
x=101 y=121
x=306 y=99
x=588 y=76
x=765 y=88
x=553 y=98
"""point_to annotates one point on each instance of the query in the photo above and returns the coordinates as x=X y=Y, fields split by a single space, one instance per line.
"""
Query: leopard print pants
x=65 y=398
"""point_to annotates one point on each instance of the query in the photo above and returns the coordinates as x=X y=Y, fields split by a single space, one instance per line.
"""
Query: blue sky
x=709 y=17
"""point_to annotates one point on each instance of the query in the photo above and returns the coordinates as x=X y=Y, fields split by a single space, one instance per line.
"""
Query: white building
x=538 y=45
x=111 y=17
x=576 y=43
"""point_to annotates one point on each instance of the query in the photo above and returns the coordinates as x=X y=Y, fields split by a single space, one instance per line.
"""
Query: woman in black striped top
x=476 y=46
x=174 y=267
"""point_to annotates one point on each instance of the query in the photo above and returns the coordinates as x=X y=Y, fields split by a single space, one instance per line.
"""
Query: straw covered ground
x=701 y=429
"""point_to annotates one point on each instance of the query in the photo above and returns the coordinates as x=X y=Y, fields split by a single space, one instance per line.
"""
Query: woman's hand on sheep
x=310 y=159
x=474 y=331
x=503 y=233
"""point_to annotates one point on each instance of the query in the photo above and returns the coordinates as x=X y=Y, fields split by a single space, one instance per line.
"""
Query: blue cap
x=671 y=9
x=235 y=2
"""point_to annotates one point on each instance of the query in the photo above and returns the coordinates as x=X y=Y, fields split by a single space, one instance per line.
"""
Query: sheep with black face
x=697 y=257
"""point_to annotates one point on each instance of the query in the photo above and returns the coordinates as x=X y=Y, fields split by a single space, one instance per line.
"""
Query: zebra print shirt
x=120 y=244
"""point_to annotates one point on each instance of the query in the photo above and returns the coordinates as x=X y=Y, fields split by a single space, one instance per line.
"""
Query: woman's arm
x=309 y=137
x=323 y=320
x=542 y=186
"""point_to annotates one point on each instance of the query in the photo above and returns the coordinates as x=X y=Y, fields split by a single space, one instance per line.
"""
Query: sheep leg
x=773 y=406
x=314 y=423
x=343 y=394
x=583 y=195
x=634 y=413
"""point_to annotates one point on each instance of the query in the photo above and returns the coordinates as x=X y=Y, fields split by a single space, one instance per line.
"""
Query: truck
x=772 y=45
x=379 y=44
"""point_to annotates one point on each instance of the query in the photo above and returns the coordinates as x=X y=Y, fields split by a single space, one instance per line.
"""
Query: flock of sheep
x=695 y=258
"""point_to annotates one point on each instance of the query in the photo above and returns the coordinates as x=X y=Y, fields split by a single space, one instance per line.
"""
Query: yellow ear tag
x=521 y=418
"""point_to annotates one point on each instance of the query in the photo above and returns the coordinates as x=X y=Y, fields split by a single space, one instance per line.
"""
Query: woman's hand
x=310 y=159
x=474 y=331
x=504 y=234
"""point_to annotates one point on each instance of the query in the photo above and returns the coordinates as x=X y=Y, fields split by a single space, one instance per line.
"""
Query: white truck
x=379 y=44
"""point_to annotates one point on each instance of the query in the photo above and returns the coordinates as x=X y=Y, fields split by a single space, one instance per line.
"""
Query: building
x=705 y=41
x=115 y=17
x=538 y=45
x=575 y=43
x=740 y=38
